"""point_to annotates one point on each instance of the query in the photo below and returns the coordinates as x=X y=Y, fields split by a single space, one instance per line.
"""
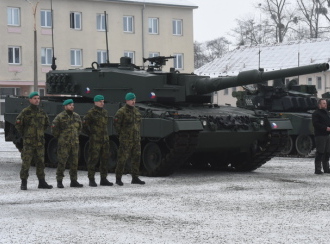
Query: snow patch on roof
x=272 y=57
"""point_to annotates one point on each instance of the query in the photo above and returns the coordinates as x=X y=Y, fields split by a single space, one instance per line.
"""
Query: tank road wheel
x=304 y=145
x=52 y=151
x=152 y=156
x=162 y=158
x=288 y=147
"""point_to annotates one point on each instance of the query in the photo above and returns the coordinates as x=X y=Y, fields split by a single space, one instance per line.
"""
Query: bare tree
x=281 y=17
x=248 y=32
x=217 y=48
x=199 y=55
x=312 y=11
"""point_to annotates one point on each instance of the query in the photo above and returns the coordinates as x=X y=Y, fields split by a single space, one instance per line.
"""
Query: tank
x=180 y=125
x=292 y=101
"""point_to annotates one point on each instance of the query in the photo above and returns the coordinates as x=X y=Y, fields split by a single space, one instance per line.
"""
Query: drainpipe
x=144 y=6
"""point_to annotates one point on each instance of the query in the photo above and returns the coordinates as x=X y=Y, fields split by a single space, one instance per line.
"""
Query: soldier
x=32 y=123
x=127 y=124
x=66 y=128
x=95 y=125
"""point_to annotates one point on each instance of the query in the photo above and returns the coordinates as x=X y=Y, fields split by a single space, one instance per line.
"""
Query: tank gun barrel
x=302 y=70
x=208 y=85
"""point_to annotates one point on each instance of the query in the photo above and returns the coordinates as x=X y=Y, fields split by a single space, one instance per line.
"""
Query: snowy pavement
x=282 y=202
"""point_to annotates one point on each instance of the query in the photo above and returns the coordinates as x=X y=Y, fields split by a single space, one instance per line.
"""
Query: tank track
x=180 y=146
x=274 y=146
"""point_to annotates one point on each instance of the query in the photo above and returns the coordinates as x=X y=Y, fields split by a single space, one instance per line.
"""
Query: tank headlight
x=204 y=123
x=262 y=122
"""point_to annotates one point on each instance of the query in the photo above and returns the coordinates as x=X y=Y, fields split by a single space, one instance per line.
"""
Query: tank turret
x=291 y=101
x=115 y=80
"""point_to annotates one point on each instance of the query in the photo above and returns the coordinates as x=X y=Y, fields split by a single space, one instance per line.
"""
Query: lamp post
x=35 y=56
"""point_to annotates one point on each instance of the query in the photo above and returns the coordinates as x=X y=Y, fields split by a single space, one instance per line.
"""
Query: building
x=271 y=57
x=137 y=29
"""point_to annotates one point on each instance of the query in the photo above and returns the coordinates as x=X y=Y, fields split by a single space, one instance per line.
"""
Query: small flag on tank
x=152 y=95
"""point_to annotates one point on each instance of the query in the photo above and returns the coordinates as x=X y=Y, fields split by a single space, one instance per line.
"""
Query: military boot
x=92 y=183
x=119 y=182
x=24 y=184
x=105 y=182
x=60 y=184
x=75 y=183
x=136 y=180
x=43 y=184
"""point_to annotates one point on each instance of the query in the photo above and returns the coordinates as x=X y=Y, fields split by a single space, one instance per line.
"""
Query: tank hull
x=172 y=137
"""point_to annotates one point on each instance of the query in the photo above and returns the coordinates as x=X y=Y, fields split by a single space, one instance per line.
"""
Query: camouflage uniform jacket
x=66 y=127
x=95 y=124
x=32 y=123
x=127 y=123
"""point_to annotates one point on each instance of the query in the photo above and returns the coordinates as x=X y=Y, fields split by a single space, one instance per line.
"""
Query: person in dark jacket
x=66 y=128
x=95 y=125
x=32 y=123
x=321 y=123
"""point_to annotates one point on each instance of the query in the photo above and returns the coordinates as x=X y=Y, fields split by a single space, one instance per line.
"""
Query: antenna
x=106 y=34
x=53 y=66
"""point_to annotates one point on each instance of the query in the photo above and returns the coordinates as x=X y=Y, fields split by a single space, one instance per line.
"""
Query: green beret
x=130 y=96
x=68 y=101
x=98 y=98
x=32 y=94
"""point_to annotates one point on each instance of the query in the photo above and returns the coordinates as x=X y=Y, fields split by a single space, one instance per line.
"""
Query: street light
x=35 y=63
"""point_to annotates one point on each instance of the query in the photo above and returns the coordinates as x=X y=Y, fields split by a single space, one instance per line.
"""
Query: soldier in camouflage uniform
x=32 y=123
x=127 y=123
x=66 y=128
x=95 y=125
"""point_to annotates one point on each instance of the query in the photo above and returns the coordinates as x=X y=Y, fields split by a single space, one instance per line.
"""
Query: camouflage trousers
x=128 y=151
x=67 y=153
x=98 y=152
x=37 y=154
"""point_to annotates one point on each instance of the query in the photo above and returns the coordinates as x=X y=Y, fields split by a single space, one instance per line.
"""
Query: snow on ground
x=282 y=202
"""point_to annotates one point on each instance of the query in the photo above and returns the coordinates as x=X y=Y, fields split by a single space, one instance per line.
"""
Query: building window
x=153 y=54
x=75 y=20
x=177 y=27
x=234 y=89
x=13 y=16
x=287 y=81
x=309 y=81
x=225 y=91
x=178 y=61
x=128 y=24
x=46 y=56
x=46 y=18
x=153 y=26
x=102 y=56
x=129 y=54
x=100 y=22
x=75 y=57
x=6 y=91
x=14 y=55
x=319 y=83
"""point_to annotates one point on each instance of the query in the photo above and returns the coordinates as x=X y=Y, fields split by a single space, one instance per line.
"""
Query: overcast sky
x=215 y=18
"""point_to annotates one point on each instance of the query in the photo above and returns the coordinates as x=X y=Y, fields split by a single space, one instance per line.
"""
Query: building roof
x=272 y=57
x=182 y=3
